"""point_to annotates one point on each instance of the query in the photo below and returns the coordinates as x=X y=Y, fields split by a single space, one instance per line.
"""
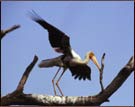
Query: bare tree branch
x=4 y=32
x=19 y=89
x=96 y=100
x=101 y=72
x=26 y=74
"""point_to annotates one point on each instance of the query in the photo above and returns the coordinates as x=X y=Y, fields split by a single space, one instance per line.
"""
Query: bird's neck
x=78 y=58
x=86 y=59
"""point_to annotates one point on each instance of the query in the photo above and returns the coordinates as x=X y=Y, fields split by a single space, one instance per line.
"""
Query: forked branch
x=96 y=100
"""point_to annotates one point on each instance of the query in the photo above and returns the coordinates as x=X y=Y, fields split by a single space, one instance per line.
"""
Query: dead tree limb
x=26 y=74
x=101 y=73
x=4 y=32
x=19 y=89
x=96 y=100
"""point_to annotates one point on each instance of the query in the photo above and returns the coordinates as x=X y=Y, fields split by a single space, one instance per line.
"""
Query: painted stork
x=69 y=59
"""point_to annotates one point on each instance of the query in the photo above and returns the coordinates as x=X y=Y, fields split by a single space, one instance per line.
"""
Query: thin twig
x=101 y=72
x=4 y=32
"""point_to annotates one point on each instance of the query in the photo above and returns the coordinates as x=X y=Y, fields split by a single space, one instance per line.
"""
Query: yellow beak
x=94 y=59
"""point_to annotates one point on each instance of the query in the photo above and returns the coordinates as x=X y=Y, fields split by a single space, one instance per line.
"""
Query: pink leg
x=58 y=82
x=53 y=80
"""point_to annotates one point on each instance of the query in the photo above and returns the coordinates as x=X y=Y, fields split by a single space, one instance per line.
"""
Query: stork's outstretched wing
x=81 y=72
x=58 y=40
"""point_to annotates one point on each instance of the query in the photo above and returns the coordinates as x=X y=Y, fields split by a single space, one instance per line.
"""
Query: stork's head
x=94 y=59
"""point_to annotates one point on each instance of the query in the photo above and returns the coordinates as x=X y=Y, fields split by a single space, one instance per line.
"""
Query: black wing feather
x=57 y=38
x=81 y=72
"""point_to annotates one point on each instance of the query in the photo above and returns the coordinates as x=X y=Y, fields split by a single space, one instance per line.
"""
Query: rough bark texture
x=19 y=98
x=4 y=32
